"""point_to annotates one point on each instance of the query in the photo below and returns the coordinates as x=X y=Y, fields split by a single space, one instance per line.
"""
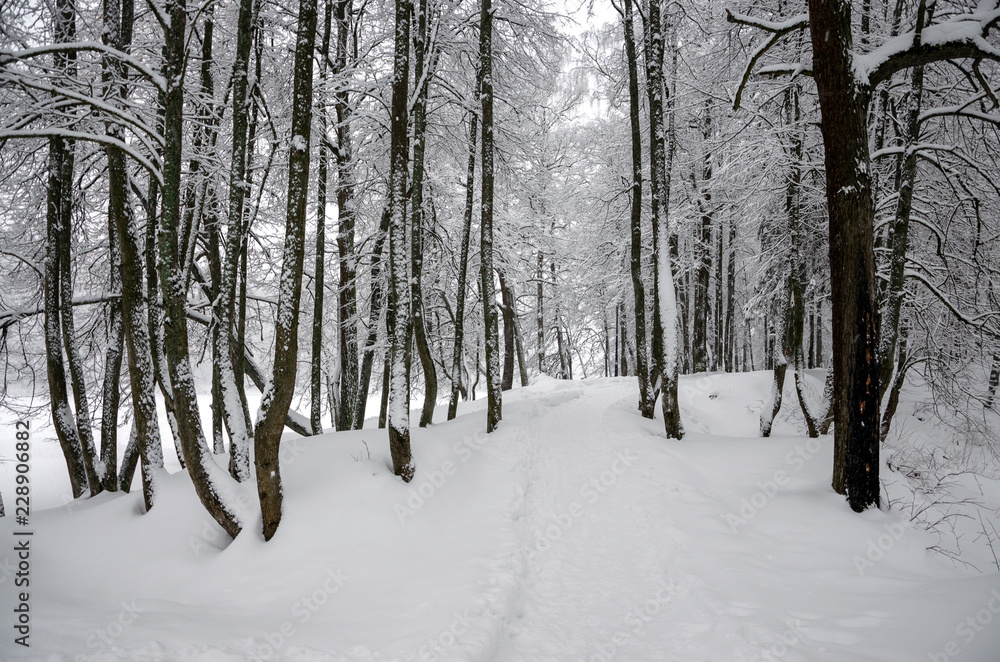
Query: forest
x=350 y=215
x=493 y=196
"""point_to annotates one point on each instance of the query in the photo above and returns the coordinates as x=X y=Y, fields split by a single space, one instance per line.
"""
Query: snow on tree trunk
x=398 y=385
x=844 y=106
x=277 y=398
x=494 y=406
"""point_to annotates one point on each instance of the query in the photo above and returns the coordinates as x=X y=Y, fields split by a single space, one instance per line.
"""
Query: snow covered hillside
x=575 y=532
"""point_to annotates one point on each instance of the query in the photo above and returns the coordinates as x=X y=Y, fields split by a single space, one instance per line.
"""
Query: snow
x=574 y=532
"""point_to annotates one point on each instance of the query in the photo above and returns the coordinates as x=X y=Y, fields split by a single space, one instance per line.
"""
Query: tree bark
x=319 y=275
x=647 y=400
x=352 y=395
x=278 y=398
x=494 y=407
x=463 y=262
x=398 y=317
x=844 y=107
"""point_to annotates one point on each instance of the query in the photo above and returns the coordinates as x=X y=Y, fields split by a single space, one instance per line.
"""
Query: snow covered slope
x=575 y=532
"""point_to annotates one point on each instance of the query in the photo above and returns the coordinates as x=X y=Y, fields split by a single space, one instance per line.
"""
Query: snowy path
x=639 y=548
x=603 y=576
x=574 y=533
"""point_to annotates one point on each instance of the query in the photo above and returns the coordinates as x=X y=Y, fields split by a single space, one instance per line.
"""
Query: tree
x=398 y=318
x=647 y=400
x=845 y=81
x=494 y=406
x=278 y=397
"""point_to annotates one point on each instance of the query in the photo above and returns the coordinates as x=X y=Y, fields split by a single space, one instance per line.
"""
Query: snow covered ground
x=575 y=532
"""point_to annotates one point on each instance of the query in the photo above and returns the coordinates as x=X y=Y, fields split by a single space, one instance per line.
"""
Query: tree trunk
x=647 y=401
x=319 y=276
x=352 y=396
x=375 y=304
x=507 y=300
x=398 y=318
x=463 y=262
x=423 y=70
x=230 y=308
x=773 y=402
x=197 y=455
x=278 y=398
x=494 y=407
x=665 y=317
x=844 y=107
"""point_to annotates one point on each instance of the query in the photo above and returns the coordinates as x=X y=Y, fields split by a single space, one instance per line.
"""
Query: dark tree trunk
x=352 y=396
x=665 y=318
x=463 y=262
x=494 y=407
x=423 y=70
x=174 y=278
x=507 y=299
x=398 y=318
x=647 y=400
x=319 y=277
x=844 y=106
x=278 y=398
x=703 y=256
x=731 y=300
x=540 y=310
x=375 y=304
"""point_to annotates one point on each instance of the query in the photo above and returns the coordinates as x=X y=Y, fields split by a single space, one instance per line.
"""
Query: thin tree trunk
x=375 y=304
x=423 y=70
x=665 y=319
x=319 y=277
x=507 y=300
x=494 y=407
x=463 y=262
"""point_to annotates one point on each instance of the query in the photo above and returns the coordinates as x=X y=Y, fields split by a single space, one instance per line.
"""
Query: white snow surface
x=574 y=532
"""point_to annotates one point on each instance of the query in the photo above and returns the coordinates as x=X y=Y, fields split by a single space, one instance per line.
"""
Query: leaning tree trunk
x=494 y=406
x=398 y=317
x=205 y=474
x=278 y=398
x=844 y=107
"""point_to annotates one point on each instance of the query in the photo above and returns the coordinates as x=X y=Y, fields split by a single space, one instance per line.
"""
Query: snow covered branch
x=8 y=57
x=960 y=37
x=777 y=30
x=151 y=167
